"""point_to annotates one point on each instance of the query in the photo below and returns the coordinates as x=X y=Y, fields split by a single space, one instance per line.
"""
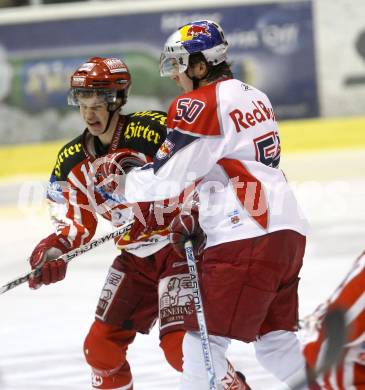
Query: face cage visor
x=107 y=96
x=173 y=64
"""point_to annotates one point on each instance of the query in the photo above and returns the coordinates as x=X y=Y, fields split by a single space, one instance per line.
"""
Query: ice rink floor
x=42 y=331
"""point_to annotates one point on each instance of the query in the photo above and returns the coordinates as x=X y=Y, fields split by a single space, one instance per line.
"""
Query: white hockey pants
x=194 y=376
x=278 y=352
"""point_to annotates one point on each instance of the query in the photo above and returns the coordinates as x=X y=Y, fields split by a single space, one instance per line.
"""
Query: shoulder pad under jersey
x=196 y=112
x=144 y=131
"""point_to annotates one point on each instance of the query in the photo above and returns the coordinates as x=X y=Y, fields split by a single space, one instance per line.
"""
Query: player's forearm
x=78 y=224
x=77 y=234
x=168 y=177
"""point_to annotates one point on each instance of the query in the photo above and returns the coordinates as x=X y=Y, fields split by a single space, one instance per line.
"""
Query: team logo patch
x=234 y=218
x=112 y=283
x=196 y=30
x=54 y=191
x=175 y=299
x=193 y=31
x=115 y=65
x=78 y=81
x=165 y=150
x=96 y=380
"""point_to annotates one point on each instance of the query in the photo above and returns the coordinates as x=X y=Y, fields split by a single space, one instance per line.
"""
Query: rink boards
x=296 y=136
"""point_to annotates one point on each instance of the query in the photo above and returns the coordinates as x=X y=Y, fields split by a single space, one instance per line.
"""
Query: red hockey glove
x=150 y=217
x=109 y=168
x=185 y=226
x=43 y=257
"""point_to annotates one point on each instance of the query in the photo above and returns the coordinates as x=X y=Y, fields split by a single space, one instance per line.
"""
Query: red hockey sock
x=121 y=380
x=105 y=351
x=171 y=343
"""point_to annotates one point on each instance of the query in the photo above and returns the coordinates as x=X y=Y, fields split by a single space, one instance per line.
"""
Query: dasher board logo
x=175 y=299
x=115 y=65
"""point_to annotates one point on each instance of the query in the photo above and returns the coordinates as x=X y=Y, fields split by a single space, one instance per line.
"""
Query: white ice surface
x=42 y=332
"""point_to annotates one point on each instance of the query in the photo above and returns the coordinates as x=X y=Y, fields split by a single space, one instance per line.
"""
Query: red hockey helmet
x=107 y=77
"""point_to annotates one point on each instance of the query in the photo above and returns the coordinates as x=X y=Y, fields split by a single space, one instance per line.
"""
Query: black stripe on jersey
x=174 y=142
x=144 y=131
x=68 y=156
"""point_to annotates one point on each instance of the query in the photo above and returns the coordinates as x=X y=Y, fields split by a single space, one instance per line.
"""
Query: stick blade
x=334 y=325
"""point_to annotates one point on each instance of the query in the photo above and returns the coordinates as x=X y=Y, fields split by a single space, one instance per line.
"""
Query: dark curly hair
x=214 y=71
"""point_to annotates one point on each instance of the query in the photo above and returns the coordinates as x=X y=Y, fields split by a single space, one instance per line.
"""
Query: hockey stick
x=334 y=324
x=207 y=353
x=67 y=257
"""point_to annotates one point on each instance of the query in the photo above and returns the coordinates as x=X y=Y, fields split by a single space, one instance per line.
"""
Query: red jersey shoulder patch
x=196 y=112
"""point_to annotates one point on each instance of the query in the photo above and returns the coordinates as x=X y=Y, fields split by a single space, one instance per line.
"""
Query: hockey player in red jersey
x=349 y=373
x=223 y=137
x=147 y=280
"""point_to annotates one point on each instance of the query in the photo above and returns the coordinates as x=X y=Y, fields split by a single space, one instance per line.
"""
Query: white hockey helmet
x=203 y=36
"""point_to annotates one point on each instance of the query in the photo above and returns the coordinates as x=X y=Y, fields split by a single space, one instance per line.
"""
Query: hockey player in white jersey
x=223 y=138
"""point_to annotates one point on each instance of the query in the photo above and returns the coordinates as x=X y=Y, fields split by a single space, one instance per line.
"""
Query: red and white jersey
x=350 y=296
x=224 y=138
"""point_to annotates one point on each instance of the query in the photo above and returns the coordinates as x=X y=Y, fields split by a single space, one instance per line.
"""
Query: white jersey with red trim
x=223 y=137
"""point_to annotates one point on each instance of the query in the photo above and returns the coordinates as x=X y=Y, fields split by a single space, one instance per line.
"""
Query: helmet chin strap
x=196 y=81
x=111 y=113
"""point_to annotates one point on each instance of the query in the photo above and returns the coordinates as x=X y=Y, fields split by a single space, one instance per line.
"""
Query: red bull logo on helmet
x=194 y=30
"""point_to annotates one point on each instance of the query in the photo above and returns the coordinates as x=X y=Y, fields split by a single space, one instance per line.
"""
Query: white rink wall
x=340 y=50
